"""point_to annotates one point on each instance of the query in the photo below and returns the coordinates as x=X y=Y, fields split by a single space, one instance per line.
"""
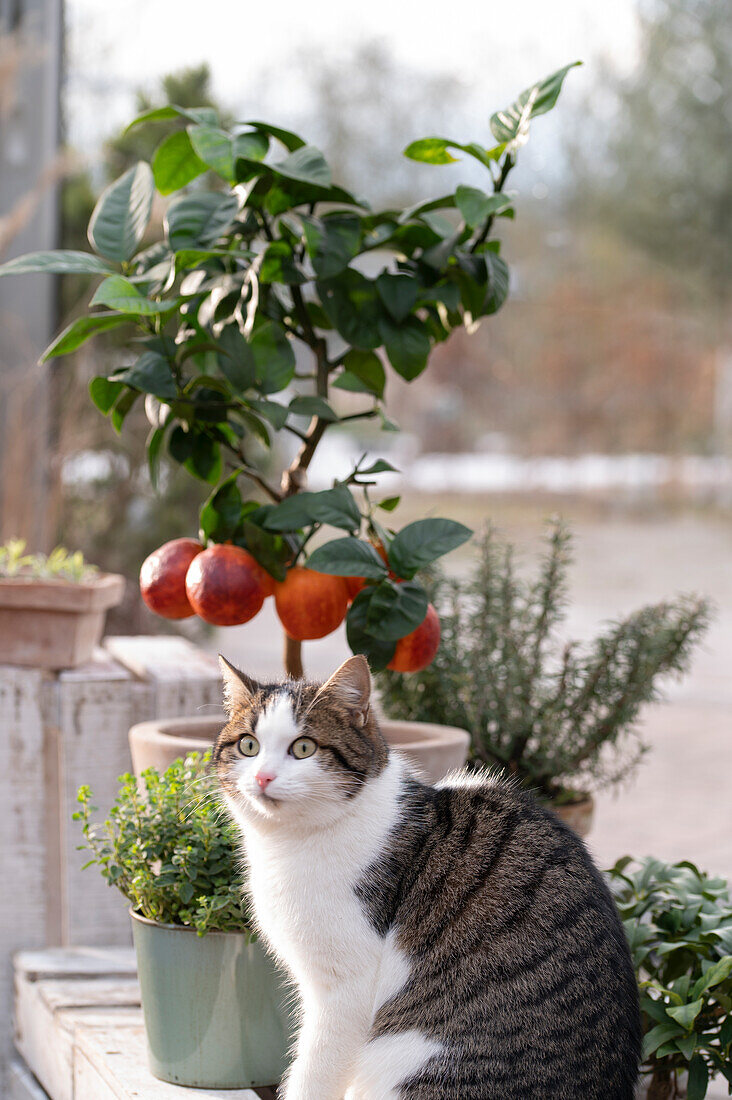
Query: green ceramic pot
x=214 y=1007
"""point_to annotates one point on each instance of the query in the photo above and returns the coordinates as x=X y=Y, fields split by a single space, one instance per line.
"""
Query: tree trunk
x=293 y=658
x=661 y=1086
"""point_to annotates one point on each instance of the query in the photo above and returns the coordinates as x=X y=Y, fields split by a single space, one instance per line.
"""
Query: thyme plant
x=169 y=848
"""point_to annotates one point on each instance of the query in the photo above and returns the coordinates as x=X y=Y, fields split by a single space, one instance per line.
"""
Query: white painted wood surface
x=57 y=731
x=79 y=1029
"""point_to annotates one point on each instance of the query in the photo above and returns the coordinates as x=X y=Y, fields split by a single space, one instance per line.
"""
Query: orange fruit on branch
x=163 y=578
x=226 y=586
x=309 y=604
x=418 y=649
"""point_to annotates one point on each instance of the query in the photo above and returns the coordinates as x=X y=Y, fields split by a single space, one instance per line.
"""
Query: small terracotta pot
x=433 y=750
x=578 y=815
x=54 y=624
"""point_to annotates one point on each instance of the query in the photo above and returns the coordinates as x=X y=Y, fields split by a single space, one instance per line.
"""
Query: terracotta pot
x=578 y=815
x=54 y=624
x=434 y=750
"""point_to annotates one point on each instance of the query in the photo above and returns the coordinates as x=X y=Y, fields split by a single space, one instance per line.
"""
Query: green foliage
x=558 y=716
x=259 y=257
x=59 y=565
x=678 y=921
x=170 y=849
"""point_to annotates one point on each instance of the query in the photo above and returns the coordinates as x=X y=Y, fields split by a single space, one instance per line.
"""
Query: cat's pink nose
x=264 y=779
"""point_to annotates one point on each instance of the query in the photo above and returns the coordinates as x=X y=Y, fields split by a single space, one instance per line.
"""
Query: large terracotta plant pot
x=578 y=815
x=214 y=1007
x=434 y=750
x=54 y=624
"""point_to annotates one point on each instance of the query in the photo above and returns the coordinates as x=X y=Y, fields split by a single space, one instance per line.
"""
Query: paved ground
x=679 y=805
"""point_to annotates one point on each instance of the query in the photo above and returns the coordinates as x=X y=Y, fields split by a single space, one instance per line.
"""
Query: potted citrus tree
x=213 y=1002
x=276 y=303
x=52 y=606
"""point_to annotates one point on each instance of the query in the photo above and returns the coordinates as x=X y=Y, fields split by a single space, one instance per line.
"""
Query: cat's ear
x=350 y=685
x=239 y=689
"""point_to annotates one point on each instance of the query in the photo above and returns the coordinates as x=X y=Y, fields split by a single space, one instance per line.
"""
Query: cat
x=448 y=942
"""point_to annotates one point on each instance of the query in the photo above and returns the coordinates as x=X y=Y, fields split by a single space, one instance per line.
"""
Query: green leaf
x=252 y=146
x=686 y=1014
x=273 y=357
x=57 y=263
x=511 y=127
x=696 y=1087
x=221 y=513
x=381 y=466
x=175 y=163
x=151 y=374
x=104 y=392
x=274 y=412
x=498 y=279
x=120 y=294
x=193 y=221
x=306 y=164
x=280 y=266
x=215 y=149
x=399 y=294
x=124 y=403
x=377 y=651
x=120 y=217
x=335 y=507
x=389 y=503
x=75 y=334
x=476 y=206
x=364 y=373
x=236 y=359
x=407 y=346
x=207 y=115
x=205 y=459
x=396 y=610
x=353 y=305
x=306 y=405
x=716 y=973
x=347 y=557
x=657 y=1036
x=422 y=542
x=289 y=140
x=154 y=445
x=431 y=150
x=332 y=242
x=271 y=551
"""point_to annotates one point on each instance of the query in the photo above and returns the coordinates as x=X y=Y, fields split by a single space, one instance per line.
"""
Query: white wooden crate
x=79 y=1030
x=57 y=731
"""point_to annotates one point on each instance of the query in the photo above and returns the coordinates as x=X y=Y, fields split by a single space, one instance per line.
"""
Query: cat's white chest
x=303 y=888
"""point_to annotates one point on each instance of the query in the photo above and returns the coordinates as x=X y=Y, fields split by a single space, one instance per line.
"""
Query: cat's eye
x=303 y=747
x=248 y=746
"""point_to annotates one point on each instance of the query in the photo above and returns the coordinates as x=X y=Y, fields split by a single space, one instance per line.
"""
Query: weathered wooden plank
x=48 y=1012
x=183 y=678
x=23 y=1085
x=26 y=910
x=96 y=710
x=117 y=1058
x=76 y=962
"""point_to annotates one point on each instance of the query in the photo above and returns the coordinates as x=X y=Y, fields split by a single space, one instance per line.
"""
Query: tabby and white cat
x=448 y=943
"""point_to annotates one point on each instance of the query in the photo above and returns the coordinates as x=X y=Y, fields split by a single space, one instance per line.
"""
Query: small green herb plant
x=678 y=921
x=58 y=565
x=170 y=849
x=559 y=716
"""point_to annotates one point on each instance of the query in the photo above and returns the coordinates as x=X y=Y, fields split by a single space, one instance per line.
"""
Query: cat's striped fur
x=449 y=943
